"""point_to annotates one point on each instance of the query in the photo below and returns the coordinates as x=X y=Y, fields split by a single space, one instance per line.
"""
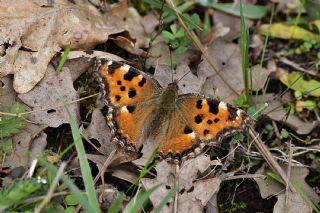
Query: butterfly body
x=179 y=125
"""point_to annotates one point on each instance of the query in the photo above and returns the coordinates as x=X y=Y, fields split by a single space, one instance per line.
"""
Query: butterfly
x=180 y=125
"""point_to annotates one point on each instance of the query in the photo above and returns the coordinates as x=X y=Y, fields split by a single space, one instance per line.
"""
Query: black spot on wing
x=209 y=121
x=117 y=97
x=198 y=119
x=213 y=106
x=216 y=120
x=130 y=74
x=122 y=88
x=232 y=113
x=199 y=104
x=132 y=93
x=187 y=130
x=112 y=67
x=142 y=82
x=131 y=109
x=119 y=82
x=205 y=132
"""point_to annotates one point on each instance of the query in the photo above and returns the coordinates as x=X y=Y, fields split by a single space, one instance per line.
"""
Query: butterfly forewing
x=130 y=95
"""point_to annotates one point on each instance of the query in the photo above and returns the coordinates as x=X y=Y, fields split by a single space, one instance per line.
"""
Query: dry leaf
x=193 y=193
x=296 y=204
x=48 y=97
x=285 y=31
x=259 y=77
x=22 y=142
x=44 y=30
x=188 y=82
x=276 y=112
x=99 y=130
x=269 y=186
x=38 y=146
x=7 y=93
x=226 y=59
x=230 y=21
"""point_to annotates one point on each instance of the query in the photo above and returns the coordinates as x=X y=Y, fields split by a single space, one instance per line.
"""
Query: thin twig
x=251 y=176
x=53 y=186
x=105 y=166
x=286 y=209
x=268 y=157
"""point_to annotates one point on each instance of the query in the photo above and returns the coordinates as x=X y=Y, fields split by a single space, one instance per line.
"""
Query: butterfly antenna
x=184 y=75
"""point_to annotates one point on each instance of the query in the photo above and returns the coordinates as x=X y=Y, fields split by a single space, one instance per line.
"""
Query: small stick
x=263 y=149
x=105 y=166
x=51 y=189
x=286 y=209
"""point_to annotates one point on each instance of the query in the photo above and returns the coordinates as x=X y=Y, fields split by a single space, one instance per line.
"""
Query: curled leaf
x=284 y=31
x=296 y=82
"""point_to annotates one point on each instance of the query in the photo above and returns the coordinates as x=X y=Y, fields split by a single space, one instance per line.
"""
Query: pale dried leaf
x=276 y=112
x=230 y=21
x=259 y=77
x=269 y=186
x=7 y=93
x=22 y=141
x=189 y=83
x=38 y=146
x=227 y=61
x=193 y=193
x=99 y=130
x=48 y=97
x=296 y=204
x=44 y=30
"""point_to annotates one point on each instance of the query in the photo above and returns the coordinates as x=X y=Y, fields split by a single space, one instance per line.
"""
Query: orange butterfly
x=181 y=125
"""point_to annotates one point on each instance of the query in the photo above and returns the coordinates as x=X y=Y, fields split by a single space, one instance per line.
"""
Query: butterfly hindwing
x=129 y=93
x=205 y=122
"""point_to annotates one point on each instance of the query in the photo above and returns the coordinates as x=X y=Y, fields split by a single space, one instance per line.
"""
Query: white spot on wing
x=124 y=109
x=238 y=112
x=192 y=135
x=223 y=105
x=125 y=67
x=109 y=63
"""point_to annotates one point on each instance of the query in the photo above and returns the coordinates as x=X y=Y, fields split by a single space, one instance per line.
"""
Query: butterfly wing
x=198 y=121
x=130 y=95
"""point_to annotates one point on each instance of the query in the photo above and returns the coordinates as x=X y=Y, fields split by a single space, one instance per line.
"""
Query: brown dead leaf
x=189 y=83
x=48 y=97
x=38 y=146
x=44 y=31
x=135 y=28
x=193 y=193
x=230 y=21
x=99 y=130
x=160 y=55
x=276 y=112
x=227 y=60
x=296 y=204
x=149 y=23
x=269 y=186
x=7 y=93
x=260 y=75
x=22 y=142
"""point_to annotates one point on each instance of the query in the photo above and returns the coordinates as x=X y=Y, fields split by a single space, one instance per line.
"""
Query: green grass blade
x=244 y=38
x=84 y=164
x=138 y=201
x=165 y=200
x=63 y=58
x=149 y=165
x=73 y=188
x=115 y=206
